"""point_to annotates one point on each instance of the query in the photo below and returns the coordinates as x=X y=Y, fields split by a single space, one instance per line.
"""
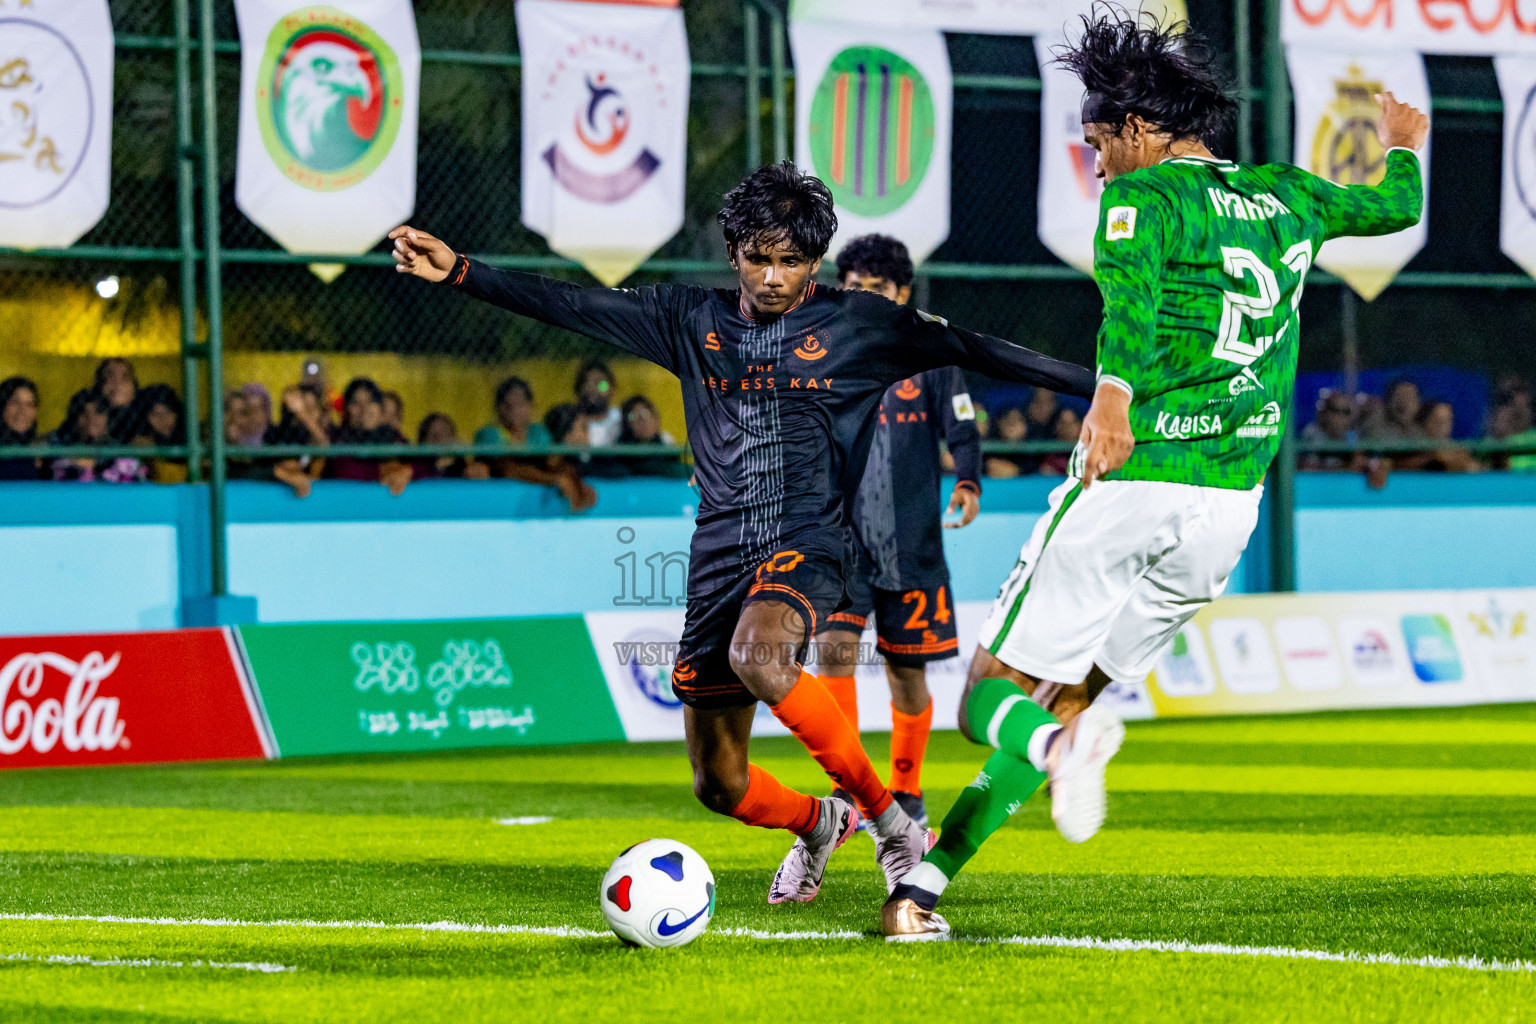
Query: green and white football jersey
x=1201 y=263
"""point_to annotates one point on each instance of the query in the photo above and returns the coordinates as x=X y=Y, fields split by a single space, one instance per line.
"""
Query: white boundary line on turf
x=1045 y=941
x=113 y=961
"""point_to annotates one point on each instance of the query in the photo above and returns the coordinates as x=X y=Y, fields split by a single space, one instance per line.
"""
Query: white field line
x=1045 y=941
x=537 y=819
x=113 y=961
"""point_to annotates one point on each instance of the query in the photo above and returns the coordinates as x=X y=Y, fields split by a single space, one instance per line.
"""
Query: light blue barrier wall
x=89 y=557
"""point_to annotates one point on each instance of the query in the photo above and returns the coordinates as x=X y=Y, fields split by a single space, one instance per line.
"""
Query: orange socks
x=811 y=713
x=771 y=804
x=909 y=739
x=847 y=696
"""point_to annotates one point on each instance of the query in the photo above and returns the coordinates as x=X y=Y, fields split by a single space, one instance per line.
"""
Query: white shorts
x=1111 y=573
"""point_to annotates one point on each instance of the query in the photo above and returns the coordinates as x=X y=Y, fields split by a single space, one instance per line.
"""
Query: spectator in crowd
x=394 y=411
x=515 y=420
x=1437 y=421
x=1511 y=412
x=363 y=423
x=594 y=394
x=438 y=428
x=642 y=425
x=162 y=424
x=567 y=424
x=119 y=386
x=1011 y=426
x=1334 y=422
x=18 y=426
x=303 y=421
x=234 y=416
x=87 y=422
x=1068 y=427
x=1399 y=418
x=1040 y=415
x=253 y=416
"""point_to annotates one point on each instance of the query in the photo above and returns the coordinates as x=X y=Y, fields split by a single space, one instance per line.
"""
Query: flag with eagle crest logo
x=327 y=153
x=605 y=128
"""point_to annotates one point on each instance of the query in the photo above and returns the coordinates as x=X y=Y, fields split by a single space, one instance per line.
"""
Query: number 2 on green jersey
x=1235 y=306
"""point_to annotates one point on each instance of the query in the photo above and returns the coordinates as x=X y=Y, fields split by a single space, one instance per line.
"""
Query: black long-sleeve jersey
x=779 y=414
x=898 y=512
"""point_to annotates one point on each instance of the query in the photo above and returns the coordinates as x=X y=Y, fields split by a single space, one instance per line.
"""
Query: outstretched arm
x=936 y=342
x=1397 y=202
x=643 y=321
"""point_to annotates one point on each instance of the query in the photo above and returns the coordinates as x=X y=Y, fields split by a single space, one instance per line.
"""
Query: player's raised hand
x=1107 y=435
x=420 y=254
x=962 y=498
x=1400 y=124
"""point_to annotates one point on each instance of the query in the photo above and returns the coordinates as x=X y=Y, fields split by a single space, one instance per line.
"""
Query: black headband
x=1099 y=109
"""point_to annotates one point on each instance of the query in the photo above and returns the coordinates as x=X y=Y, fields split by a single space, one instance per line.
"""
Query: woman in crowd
x=567 y=425
x=162 y=424
x=88 y=423
x=438 y=428
x=1436 y=422
x=18 y=426
x=1066 y=426
x=1012 y=426
x=363 y=423
x=118 y=385
x=641 y=425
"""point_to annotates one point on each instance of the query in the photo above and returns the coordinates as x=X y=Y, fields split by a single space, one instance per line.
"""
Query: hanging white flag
x=1069 y=191
x=55 y=121
x=1336 y=118
x=872 y=120
x=327 y=154
x=605 y=129
x=1517 y=204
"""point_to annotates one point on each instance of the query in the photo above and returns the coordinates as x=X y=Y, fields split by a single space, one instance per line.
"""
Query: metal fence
x=203 y=296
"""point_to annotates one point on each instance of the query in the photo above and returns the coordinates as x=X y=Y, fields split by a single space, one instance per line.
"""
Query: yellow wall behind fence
x=56 y=334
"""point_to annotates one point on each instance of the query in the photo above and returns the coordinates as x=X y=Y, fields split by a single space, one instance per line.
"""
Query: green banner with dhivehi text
x=379 y=687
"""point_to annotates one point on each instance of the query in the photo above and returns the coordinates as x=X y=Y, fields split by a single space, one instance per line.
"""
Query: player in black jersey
x=782 y=380
x=896 y=568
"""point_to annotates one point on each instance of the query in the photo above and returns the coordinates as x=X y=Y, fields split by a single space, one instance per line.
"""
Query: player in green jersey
x=1201 y=263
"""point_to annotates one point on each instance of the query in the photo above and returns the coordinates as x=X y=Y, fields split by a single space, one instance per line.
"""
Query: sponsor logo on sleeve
x=1264 y=423
x=1121 y=223
x=963 y=408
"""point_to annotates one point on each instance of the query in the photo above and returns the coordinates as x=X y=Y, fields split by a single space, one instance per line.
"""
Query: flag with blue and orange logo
x=605 y=128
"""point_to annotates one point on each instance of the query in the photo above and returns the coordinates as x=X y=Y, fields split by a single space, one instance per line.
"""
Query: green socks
x=1000 y=714
x=1001 y=788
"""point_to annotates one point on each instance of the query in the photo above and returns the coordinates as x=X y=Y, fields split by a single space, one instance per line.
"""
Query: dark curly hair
x=1165 y=75
x=876 y=256
x=776 y=204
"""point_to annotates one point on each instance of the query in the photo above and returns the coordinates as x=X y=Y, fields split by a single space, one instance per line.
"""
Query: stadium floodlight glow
x=108 y=286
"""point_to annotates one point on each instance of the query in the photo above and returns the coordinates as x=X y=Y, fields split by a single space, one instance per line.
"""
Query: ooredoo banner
x=328 y=95
x=124 y=698
x=55 y=120
x=605 y=129
x=341 y=688
x=1428 y=26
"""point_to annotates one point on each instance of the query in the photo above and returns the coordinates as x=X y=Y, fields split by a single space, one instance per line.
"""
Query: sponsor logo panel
x=1308 y=654
x=1432 y=648
x=1244 y=656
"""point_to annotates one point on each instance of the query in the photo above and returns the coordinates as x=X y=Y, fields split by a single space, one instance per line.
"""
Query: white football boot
x=1076 y=767
x=798 y=879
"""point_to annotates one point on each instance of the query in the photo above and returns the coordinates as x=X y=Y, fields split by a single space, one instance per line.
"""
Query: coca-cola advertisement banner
x=125 y=698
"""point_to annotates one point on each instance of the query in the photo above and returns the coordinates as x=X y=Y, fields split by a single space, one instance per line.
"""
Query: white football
x=658 y=893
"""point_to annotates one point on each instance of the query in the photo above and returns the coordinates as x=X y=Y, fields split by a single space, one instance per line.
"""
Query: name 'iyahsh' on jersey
x=1201 y=264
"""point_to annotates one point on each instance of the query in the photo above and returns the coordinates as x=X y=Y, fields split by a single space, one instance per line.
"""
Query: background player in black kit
x=896 y=569
x=781 y=382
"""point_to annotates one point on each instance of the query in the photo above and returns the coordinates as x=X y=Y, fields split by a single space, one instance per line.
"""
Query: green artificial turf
x=1410 y=834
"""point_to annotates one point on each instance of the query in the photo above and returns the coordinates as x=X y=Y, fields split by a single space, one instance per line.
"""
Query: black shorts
x=912 y=626
x=810 y=583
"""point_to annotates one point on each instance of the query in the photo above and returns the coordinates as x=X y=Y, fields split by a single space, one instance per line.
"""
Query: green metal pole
x=780 y=87
x=186 y=223
x=218 y=547
x=1282 y=484
x=1242 y=46
x=749 y=31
